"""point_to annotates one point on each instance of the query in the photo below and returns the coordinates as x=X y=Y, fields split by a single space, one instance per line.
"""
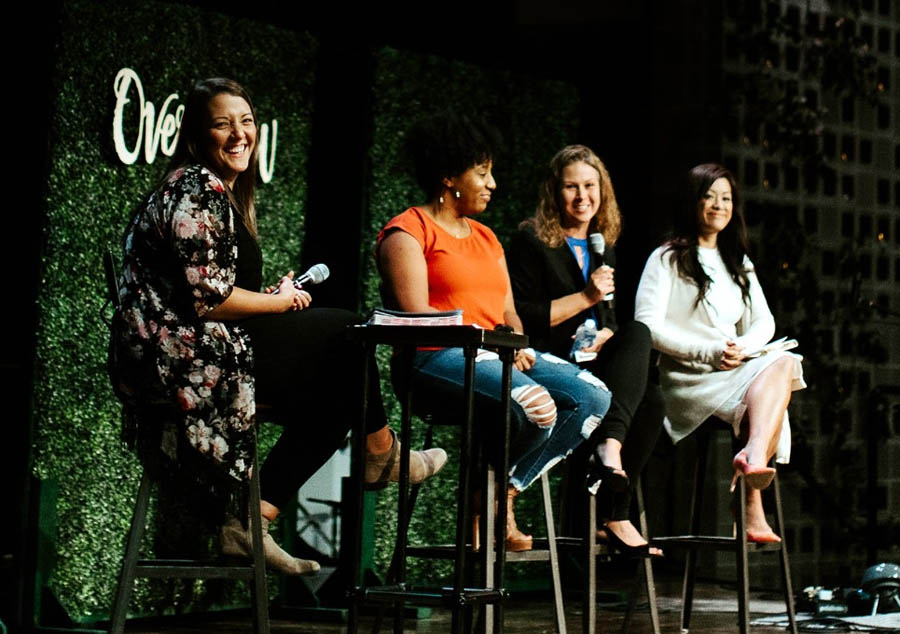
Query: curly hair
x=547 y=219
x=192 y=139
x=731 y=241
x=447 y=144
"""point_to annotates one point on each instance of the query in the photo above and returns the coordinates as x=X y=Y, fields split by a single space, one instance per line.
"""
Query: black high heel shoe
x=617 y=544
x=605 y=477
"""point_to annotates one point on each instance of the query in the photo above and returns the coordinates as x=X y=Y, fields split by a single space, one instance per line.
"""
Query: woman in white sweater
x=707 y=314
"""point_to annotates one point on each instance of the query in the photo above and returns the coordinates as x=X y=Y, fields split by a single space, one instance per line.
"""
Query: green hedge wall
x=536 y=118
x=90 y=197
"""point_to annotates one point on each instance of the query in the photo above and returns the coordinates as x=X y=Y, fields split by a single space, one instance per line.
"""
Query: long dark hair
x=192 y=137
x=547 y=219
x=731 y=241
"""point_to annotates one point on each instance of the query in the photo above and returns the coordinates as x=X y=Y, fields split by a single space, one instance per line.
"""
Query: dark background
x=652 y=102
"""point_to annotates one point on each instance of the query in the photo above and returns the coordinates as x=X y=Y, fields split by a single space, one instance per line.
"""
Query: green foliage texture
x=536 y=118
x=89 y=198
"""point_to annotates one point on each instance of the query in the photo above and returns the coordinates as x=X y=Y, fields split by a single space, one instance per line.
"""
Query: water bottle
x=584 y=337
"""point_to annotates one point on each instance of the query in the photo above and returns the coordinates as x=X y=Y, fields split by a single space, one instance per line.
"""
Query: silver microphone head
x=598 y=243
x=318 y=274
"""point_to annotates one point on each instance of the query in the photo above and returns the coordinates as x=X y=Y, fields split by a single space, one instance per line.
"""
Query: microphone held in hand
x=317 y=274
x=598 y=248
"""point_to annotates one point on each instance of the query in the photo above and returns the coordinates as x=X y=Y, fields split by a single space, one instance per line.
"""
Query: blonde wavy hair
x=547 y=219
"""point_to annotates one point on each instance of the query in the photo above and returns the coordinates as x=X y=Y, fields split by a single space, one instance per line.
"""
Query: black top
x=540 y=274
x=249 y=260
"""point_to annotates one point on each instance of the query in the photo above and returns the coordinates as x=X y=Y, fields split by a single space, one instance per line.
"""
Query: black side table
x=458 y=597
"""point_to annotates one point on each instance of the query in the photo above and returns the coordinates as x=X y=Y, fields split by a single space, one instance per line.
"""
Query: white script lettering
x=162 y=130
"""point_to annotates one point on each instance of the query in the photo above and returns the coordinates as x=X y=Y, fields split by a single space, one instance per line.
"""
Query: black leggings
x=311 y=376
x=636 y=413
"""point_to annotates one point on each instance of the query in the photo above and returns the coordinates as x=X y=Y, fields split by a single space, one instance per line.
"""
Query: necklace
x=459 y=229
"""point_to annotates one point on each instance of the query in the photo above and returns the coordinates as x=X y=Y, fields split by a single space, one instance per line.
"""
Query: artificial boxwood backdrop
x=90 y=197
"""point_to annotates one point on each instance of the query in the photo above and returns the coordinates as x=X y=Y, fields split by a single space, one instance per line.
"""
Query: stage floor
x=715 y=612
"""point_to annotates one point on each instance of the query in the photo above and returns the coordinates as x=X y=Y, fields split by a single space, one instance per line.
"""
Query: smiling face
x=580 y=197
x=231 y=135
x=714 y=211
x=475 y=187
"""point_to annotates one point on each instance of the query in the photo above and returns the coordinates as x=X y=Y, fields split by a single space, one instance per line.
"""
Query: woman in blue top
x=558 y=283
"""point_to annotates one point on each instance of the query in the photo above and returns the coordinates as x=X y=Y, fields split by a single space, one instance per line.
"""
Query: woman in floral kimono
x=195 y=340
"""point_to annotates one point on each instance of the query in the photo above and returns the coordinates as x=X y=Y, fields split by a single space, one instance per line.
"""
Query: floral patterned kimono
x=180 y=263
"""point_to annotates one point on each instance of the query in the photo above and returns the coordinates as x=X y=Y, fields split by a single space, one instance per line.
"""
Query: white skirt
x=691 y=396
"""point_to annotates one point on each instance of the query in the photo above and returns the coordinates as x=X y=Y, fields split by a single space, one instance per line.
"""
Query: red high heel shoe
x=756 y=477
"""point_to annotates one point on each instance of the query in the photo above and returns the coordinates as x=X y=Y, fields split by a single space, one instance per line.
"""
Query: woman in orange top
x=436 y=257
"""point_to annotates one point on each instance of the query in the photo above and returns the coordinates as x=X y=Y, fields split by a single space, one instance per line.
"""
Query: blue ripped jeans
x=581 y=402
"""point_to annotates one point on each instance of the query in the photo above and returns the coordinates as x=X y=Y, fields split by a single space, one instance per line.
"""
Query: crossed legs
x=767 y=399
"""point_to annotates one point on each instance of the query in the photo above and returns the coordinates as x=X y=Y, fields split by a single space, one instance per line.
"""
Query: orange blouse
x=463 y=273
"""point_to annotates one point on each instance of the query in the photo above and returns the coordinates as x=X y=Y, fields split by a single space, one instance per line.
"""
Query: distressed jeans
x=581 y=402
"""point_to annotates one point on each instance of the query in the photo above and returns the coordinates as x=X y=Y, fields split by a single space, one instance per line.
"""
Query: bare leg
x=767 y=399
x=758 y=529
x=269 y=511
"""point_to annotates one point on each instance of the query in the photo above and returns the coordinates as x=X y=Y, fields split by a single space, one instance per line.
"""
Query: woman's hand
x=732 y=356
x=299 y=299
x=523 y=361
x=603 y=335
x=600 y=284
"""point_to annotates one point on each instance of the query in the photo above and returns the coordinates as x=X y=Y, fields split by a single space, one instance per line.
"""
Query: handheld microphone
x=598 y=248
x=316 y=274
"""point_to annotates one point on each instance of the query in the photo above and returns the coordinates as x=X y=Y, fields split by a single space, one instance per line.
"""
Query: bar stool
x=543 y=549
x=590 y=550
x=132 y=567
x=737 y=544
x=459 y=597
x=593 y=550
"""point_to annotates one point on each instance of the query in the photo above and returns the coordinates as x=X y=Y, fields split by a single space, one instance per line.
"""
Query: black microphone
x=598 y=248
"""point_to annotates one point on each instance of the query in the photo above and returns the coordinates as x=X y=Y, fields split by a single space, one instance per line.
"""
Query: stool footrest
x=714 y=542
x=540 y=552
x=192 y=569
x=428 y=596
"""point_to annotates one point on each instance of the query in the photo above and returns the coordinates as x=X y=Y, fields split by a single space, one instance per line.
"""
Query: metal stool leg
x=785 y=564
x=126 y=577
x=687 y=590
x=259 y=592
x=589 y=613
x=741 y=554
x=647 y=570
x=648 y=562
x=464 y=492
x=554 y=559
x=489 y=555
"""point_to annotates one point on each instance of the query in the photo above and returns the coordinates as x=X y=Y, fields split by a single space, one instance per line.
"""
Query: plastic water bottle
x=584 y=337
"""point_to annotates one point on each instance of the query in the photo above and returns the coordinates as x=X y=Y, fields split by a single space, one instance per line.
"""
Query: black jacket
x=541 y=274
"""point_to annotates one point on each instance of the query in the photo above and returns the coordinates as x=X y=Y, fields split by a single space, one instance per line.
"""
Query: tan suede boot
x=234 y=541
x=385 y=467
